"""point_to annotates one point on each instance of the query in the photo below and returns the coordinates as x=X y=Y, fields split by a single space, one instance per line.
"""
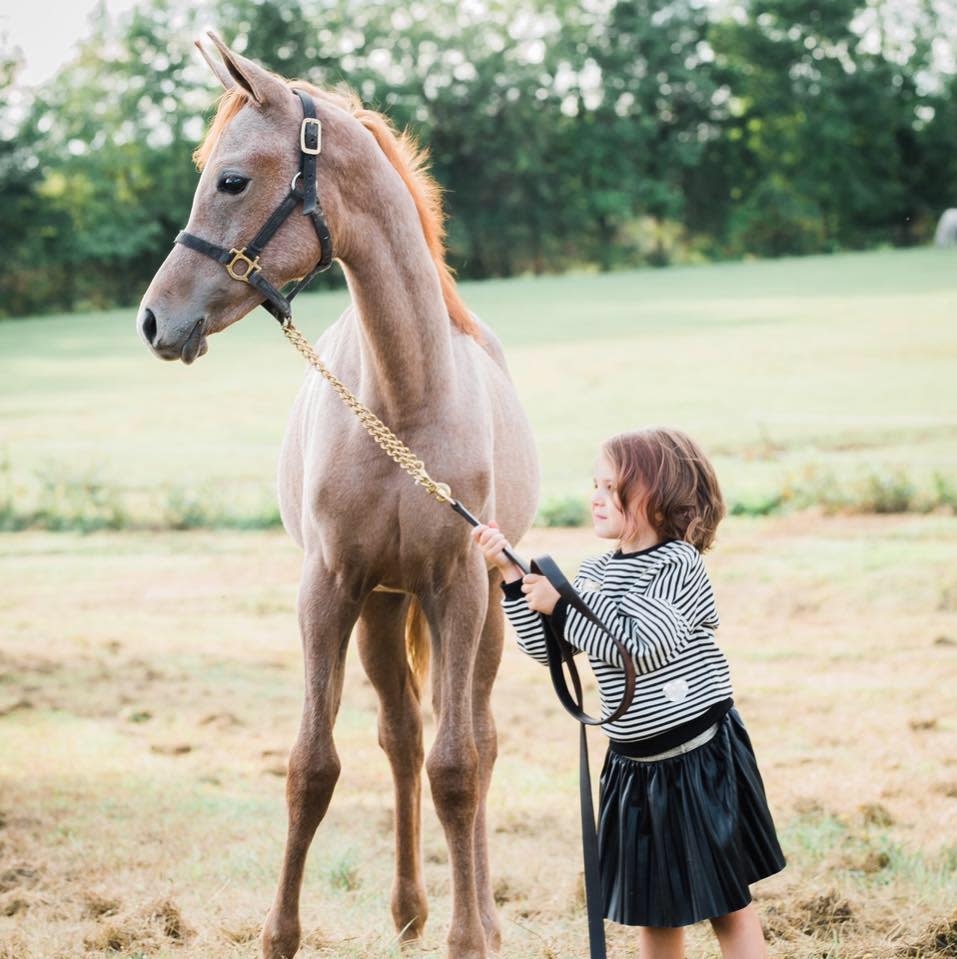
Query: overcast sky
x=47 y=32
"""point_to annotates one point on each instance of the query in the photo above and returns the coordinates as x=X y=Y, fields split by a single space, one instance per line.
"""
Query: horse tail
x=417 y=645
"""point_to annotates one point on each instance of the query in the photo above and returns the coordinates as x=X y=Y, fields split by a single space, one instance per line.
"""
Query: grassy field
x=151 y=690
x=813 y=371
x=151 y=681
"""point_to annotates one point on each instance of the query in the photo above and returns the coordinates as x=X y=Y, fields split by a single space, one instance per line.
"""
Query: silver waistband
x=680 y=750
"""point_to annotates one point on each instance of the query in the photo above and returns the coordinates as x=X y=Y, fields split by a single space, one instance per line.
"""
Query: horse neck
x=405 y=332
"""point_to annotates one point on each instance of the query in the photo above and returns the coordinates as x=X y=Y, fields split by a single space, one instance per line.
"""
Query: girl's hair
x=684 y=500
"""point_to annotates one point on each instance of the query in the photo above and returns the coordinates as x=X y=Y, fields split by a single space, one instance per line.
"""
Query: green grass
x=843 y=365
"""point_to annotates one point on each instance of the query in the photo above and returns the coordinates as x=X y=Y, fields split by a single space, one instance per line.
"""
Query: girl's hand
x=492 y=543
x=539 y=593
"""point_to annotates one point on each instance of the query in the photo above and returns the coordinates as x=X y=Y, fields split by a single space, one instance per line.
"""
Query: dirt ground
x=150 y=687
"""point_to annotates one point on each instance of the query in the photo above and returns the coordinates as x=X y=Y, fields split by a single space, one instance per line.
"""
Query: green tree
x=822 y=124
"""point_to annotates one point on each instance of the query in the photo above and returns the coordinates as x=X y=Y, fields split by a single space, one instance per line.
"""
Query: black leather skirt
x=681 y=839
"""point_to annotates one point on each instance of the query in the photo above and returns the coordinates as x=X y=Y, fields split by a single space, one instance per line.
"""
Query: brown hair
x=684 y=500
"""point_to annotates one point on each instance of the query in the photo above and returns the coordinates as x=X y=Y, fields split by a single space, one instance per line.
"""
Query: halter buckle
x=239 y=256
x=317 y=149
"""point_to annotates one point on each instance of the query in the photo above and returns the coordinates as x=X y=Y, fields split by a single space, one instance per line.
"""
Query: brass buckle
x=302 y=137
x=239 y=256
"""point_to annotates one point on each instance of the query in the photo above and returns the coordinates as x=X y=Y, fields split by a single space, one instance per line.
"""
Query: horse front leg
x=487 y=661
x=456 y=611
x=327 y=614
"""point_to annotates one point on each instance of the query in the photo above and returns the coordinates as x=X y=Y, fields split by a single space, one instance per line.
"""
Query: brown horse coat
x=378 y=551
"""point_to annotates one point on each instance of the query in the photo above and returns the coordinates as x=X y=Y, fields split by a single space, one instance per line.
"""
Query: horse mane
x=409 y=159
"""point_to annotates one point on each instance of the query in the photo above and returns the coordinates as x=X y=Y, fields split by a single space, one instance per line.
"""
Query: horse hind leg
x=382 y=650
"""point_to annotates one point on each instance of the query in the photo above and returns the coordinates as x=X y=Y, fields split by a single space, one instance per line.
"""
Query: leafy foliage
x=610 y=133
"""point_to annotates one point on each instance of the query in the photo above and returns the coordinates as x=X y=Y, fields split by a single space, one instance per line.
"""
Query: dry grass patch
x=830 y=626
x=98 y=906
x=938 y=942
x=146 y=928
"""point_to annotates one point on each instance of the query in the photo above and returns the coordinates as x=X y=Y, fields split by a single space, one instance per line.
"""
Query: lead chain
x=381 y=433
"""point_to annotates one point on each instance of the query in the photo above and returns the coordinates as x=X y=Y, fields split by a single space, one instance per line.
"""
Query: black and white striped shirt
x=658 y=602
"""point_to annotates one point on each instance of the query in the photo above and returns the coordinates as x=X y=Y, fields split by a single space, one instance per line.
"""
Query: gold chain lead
x=381 y=433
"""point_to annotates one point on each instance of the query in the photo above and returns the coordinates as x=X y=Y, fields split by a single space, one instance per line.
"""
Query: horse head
x=249 y=163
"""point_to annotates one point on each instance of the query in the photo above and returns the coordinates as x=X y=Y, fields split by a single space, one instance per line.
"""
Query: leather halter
x=242 y=263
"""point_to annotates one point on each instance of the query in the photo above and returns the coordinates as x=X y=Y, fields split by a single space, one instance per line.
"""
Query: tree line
x=606 y=133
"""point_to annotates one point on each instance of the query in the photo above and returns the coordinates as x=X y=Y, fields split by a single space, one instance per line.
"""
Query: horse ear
x=260 y=84
x=222 y=74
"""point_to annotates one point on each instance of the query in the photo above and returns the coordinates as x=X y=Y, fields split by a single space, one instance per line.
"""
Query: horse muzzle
x=179 y=344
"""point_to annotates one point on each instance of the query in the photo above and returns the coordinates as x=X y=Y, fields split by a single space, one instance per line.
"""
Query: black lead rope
x=561 y=652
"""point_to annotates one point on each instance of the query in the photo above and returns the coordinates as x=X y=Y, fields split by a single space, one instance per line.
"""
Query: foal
x=378 y=552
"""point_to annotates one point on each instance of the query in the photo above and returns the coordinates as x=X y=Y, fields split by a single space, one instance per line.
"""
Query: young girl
x=683 y=823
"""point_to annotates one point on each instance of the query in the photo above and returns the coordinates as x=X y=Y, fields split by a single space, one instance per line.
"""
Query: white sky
x=47 y=32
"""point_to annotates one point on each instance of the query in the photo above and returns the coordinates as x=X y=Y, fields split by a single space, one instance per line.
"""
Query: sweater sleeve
x=653 y=625
x=527 y=623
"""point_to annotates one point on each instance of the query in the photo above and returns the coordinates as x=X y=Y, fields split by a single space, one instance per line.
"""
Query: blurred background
x=729 y=217
x=600 y=134
x=579 y=139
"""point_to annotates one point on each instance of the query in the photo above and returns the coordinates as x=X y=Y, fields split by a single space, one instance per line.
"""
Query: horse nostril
x=149 y=326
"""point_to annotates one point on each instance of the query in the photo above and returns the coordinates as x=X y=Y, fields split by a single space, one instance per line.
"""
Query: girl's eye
x=232 y=183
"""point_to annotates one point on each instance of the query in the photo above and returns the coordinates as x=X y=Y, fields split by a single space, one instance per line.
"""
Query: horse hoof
x=468 y=946
x=409 y=911
x=280 y=939
x=411 y=932
x=493 y=936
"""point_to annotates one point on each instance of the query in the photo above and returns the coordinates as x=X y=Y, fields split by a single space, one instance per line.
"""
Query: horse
x=379 y=556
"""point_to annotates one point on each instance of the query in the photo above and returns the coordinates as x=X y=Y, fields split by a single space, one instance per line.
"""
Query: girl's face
x=606 y=513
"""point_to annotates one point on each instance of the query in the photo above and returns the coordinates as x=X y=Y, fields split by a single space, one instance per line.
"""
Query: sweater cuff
x=513 y=590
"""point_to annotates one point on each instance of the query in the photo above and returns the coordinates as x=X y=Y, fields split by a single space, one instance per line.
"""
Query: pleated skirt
x=680 y=839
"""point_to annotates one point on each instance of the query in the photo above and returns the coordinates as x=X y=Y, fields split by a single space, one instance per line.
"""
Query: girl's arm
x=654 y=626
x=528 y=626
x=526 y=622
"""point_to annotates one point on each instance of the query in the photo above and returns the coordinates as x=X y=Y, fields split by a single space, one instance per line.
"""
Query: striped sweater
x=658 y=602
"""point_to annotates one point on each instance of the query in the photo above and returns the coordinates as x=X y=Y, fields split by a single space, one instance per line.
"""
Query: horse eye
x=232 y=183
